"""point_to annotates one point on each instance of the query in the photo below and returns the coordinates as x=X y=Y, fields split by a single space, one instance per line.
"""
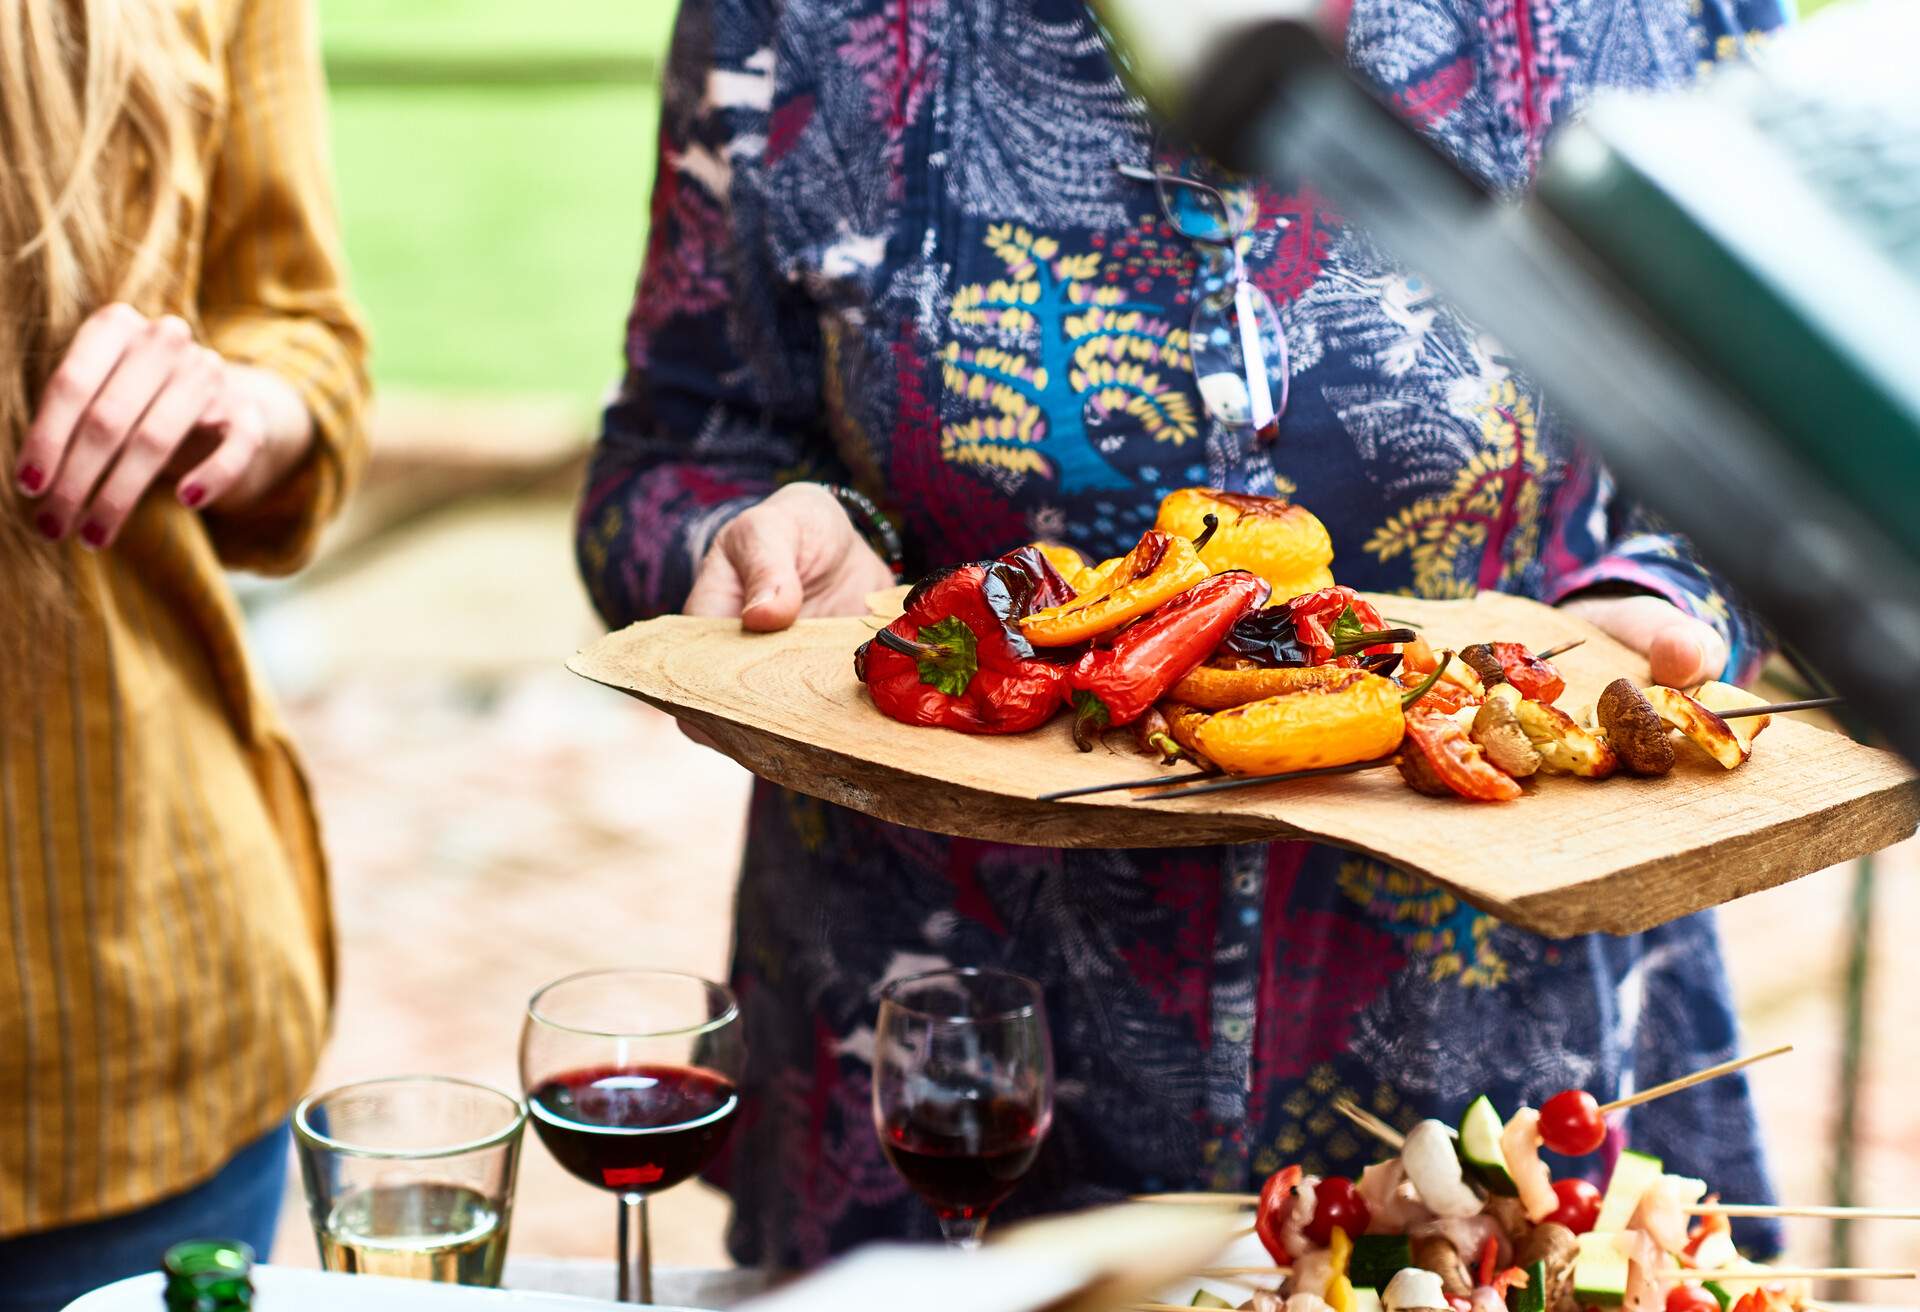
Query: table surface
x=675 y=1286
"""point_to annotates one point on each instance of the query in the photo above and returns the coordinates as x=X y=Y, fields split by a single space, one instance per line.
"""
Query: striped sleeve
x=273 y=291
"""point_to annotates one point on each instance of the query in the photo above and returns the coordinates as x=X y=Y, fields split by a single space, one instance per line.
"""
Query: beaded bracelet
x=875 y=527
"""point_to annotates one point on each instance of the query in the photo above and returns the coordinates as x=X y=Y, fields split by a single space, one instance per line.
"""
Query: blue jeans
x=46 y=1271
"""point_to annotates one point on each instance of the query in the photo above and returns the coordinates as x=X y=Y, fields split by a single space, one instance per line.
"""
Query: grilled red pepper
x=956 y=659
x=1536 y=680
x=1116 y=684
x=1333 y=624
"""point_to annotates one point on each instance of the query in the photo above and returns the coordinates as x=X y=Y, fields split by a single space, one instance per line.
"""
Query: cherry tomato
x=1579 y=1204
x=1571 y=1123
x=1336 y=1204
x=1536 y=679
x=1691 y=1298
x=1276 y=1202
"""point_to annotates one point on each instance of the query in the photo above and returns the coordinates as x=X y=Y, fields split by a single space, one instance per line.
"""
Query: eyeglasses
x=1237 y=345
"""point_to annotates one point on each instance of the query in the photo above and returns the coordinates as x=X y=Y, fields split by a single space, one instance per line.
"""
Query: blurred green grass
x=493 y=232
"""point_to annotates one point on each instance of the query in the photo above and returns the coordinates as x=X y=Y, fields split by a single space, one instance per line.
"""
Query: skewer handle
x=1765 y=1275
x=1688 y=1081
x=1829 y=1213
x=1208 y=1200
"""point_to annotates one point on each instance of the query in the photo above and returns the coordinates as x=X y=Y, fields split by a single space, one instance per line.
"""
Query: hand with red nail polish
x=136 y=403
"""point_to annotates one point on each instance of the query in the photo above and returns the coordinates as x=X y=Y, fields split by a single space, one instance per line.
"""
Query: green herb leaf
x=950 y=663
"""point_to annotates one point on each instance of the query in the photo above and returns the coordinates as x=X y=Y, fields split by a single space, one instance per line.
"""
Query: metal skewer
x=1185 y=776
x=1780 y=708
x=1253 y=780
x=1561 y=650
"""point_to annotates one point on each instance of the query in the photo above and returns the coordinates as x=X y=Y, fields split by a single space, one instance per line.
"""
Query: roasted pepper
x=955 y=658
x=1536 y=679
x=1339 y=1284
x=1153 y=736
x=1183 y=723
x=1116 y=684
x=1281 y=542
x=1159 y=568
x=1331 y=624
x=1354 y=716
x=1439 y=759
x=1071 y=565
x=1213 y=688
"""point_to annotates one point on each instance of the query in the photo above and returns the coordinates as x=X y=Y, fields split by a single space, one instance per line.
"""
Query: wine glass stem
x=636 y=1267
x=963 y=1232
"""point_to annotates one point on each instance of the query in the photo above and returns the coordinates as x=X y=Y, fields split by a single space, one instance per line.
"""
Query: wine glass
x=962 y=1089
x=630 y=1081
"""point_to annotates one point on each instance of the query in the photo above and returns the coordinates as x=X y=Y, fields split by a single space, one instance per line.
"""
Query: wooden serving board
x=1571 y=857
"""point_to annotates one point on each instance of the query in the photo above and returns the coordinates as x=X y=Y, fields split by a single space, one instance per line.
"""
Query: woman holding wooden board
x=935 y=253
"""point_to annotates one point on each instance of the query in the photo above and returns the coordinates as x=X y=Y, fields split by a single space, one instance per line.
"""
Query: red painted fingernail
x=192 y=494
x=93 y=535
x=31 y=478
x=49 y=527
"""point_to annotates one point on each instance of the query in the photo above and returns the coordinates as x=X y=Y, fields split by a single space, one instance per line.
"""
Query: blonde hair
x=99 y=106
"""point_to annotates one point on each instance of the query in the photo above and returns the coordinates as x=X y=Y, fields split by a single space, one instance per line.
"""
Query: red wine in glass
x=634 y=1128
x=962 y=1089
x=630 y=1081
x=963 y=1159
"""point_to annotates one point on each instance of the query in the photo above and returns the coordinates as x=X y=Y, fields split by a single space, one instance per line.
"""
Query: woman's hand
x=136 y=401
x=1682 y=650
x=794 y=554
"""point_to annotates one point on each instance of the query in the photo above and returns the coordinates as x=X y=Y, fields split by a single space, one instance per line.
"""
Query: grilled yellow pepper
x=1159 y=568
x=1354 y=717
x=1213 y=689
x=1281 y=542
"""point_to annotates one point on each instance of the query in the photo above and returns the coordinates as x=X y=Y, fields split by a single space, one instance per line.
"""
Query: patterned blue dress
x=889 y=247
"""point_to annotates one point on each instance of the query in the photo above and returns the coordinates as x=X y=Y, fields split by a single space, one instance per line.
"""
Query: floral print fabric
x=889 y=247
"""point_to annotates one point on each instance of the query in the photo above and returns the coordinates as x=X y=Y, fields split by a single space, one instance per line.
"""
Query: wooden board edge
x=1845 y=831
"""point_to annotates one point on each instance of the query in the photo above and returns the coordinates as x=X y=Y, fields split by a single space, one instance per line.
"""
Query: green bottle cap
x=209 y=1275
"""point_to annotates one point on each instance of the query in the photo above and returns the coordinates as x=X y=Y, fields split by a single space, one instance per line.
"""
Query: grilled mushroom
x=1634 y=729
x=1497 y=729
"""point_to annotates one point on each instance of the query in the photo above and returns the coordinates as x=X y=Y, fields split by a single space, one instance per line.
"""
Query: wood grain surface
x=1570 y=857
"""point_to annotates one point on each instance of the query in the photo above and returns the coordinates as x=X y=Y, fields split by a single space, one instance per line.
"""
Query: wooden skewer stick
x=1766 y=1275
x=1210 y=1200
x=1372 y=1124
x=1834 y=1213
x=1228 y=1272
x=1688 y=1081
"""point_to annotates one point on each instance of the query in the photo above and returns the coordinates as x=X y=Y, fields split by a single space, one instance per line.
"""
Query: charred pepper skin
x=1281 y=542
x=1116 y=684
x=1536 y=679
x=1159 y=568
x=955 y=659
x=1332 y=624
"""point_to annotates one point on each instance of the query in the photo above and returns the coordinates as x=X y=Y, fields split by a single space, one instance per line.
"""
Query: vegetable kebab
x=1470 y=1219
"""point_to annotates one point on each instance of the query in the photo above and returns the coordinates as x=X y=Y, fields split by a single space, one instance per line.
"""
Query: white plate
x=286 y=1289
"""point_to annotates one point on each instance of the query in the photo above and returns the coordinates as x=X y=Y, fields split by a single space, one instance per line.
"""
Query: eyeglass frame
x=1259 y=389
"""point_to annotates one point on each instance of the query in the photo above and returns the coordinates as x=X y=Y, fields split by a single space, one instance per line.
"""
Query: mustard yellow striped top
x=165 y=951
